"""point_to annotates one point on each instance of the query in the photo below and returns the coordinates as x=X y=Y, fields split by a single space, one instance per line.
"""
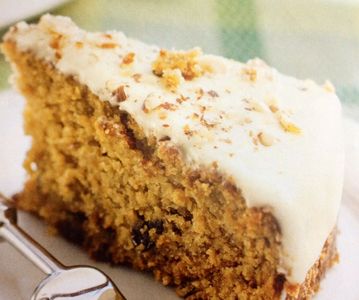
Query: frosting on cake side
x=278 y=138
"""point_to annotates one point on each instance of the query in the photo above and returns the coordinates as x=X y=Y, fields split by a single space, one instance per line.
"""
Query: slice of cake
x=223 y=179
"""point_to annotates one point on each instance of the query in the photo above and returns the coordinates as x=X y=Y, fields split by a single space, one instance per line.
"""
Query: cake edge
x=73 y=232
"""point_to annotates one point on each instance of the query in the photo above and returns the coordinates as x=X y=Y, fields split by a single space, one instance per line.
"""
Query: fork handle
x=23 y=242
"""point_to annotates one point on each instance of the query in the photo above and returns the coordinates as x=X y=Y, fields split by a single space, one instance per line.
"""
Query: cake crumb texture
x=130 y=199
x=262 y=131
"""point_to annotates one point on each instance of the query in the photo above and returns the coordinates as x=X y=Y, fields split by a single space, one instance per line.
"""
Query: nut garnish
x=162 y=115
x=55 y=42
x=56 y=45
x=329 y=87
x=250 y=74
x=213 y=93
x=137 y=77
x=227 y=141
x=187 y=131
x=107 y=45
x=128 y=58
x=185 y=62
x=194 y=116
x=272 y=103
x=153 y=103
x=254 y=105
x=107 y=35
x=265 y=139
x=168 y=106
x=273 y=108
x=207 y=121
x=199 y=92
x=120 y=93
x=150 y=103
x=181 y=99
x=287 y=125
x=79 y=45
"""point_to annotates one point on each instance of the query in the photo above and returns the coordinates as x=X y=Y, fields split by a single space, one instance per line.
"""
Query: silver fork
x=61 y=282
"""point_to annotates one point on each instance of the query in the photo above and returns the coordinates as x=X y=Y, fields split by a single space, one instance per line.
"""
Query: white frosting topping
x=277 y=137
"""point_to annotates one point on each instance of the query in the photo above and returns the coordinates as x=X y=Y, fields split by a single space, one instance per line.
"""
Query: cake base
x=96 y=178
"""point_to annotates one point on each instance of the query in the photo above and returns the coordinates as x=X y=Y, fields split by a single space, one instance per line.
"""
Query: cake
x=221 y=178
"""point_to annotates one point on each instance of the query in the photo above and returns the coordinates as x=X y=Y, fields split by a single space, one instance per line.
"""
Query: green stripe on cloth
x=239 y=35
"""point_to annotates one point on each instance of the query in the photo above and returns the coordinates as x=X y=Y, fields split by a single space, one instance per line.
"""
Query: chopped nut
x=165 y=138
x=187 y=131
x=162 y=115
x=247 y=120
x=168 y=106
x=144 y=108
x=329 y=87
x=265 y=139
x=79 y=45
x=165 y=125
x=213 y=93
x=107 y=45
x=199 y=93
x=151 y=102
x=208 y=123
x=250 y=74
x=128 y=58
x=120 y=93
x=56 y=41
x=181 y=99
x=185 y=62
x=107 y=35
x=288 y=126
x=202 y=109
x=273 y=108
x=254 y=105
x=195 y=116
x=137 y=77
x=272 y=103
x=227 y=141
x=225 y=129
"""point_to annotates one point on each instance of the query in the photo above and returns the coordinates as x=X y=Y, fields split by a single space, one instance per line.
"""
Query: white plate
x=13 y=10
x=18 y=277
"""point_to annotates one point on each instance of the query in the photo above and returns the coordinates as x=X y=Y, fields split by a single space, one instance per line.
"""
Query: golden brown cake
x=223 y=179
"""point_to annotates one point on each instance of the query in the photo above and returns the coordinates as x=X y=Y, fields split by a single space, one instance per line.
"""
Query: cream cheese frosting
x=278 y=138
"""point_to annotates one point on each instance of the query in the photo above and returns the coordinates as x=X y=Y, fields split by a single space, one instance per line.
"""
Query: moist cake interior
x=101 y=183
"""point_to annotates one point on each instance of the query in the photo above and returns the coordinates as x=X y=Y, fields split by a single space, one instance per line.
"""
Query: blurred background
x=316 y=39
